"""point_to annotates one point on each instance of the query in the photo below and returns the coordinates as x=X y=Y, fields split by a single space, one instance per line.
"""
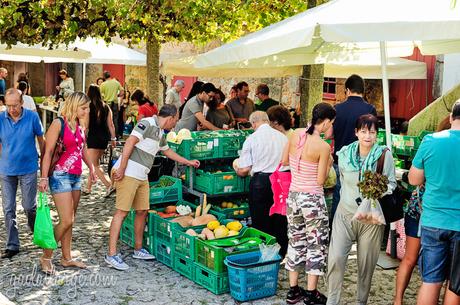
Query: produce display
x=163 y=182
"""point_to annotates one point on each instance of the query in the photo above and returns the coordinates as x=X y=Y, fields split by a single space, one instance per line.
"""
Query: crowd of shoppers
x=311 y=240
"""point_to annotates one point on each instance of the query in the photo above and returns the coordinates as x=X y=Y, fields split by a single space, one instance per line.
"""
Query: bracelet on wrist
x=113 y=138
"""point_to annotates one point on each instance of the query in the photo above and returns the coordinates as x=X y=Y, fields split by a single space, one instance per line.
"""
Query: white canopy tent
x=90 y=50
x=369 y=68
x=37 y=53
x=340 y=29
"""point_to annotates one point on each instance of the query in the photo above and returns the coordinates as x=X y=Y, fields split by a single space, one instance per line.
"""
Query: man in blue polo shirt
x=343 y=129
x=18 y=164
x=437 y=165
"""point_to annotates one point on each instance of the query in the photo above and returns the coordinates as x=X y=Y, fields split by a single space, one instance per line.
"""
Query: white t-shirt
x=263 y=150
x=29 y=103
x=151 y=140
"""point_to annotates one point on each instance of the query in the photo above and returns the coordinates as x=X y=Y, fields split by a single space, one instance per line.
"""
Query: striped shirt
x=151 y=140
x=304 y=176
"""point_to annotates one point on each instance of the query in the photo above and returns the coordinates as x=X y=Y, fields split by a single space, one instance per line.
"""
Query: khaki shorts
x=132 y=193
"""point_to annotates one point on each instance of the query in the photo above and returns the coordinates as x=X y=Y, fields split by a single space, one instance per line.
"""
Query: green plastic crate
x=184 y=244
x=150 y=224
x=164 y=253
x=127 y=235
x=148 y=243
x=381 y=137
x=405 y=145
x=184 y=266
x=423 y=133
x=225 y=182
x=216 y=283
x=129 y=219
x=199 y=149
x=241 y=212
x=164 y=227
x=171 y=193
x=206 y=145
x=211 y=257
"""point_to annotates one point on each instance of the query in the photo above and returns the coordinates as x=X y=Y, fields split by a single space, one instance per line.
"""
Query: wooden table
x=44 y=110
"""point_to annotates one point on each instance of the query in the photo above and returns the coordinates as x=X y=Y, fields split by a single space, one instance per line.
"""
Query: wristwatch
x=113 y=139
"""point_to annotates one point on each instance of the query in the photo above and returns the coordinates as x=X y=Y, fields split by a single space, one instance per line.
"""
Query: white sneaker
x=143 y=254
x=116 y=262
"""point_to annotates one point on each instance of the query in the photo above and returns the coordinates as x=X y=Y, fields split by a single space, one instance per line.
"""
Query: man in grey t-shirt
x=193 y=110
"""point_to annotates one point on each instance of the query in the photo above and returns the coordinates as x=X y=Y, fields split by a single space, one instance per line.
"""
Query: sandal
x=72 y=263
x=86 y=191
x=48 y=267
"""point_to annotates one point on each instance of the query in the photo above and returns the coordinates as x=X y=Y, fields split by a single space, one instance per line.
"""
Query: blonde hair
x=71 y=104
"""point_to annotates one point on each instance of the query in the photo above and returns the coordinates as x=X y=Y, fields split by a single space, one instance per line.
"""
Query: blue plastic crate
x=249 y=279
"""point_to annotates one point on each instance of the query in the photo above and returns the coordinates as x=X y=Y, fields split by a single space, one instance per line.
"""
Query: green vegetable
x=163 y=182
x=373 y=185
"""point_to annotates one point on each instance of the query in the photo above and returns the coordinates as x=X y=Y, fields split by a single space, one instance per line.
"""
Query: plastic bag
x=370 y=212
x=331 y=179
x=43 y=228
x=269 y=253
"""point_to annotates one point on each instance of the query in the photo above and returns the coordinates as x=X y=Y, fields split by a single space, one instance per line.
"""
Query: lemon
x=212 y=225
x=234 y=226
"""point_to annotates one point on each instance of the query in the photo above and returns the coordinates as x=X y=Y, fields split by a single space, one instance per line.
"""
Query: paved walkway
x=145 y=282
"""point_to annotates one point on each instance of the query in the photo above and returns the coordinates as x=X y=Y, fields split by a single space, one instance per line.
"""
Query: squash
x=191 y=232
x=170 y=209
x=208 y=234
x=184 y=221
x=203 y=220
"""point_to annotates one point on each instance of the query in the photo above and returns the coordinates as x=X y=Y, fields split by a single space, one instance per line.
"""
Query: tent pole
x=386 y=110
x=84 y=76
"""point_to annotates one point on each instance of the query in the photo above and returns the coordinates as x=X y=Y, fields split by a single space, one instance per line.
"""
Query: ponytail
x=321 y=112
x=311 y=128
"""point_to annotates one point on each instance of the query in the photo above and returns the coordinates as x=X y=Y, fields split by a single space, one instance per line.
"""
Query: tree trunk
x=311 y=83
x=153 y=70
x=311 y=91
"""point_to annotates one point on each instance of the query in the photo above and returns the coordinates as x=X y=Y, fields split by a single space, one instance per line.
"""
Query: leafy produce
x=163 y=182
x=372 y=187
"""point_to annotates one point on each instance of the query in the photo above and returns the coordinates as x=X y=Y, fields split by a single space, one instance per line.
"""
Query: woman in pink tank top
x=65 y=179
x=309 y=158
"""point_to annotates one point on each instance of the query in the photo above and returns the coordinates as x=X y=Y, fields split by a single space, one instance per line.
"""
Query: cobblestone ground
x=145 y=282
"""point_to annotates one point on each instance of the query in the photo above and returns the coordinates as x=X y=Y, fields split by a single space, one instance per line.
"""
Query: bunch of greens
x=373 y=185
x=163 y=182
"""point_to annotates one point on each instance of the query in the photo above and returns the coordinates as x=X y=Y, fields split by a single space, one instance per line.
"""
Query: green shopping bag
x=43 y=229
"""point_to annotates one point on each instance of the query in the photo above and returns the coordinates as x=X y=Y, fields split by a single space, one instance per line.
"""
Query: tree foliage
x=61 y=21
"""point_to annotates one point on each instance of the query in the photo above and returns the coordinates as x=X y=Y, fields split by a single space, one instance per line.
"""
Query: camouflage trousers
x=308 y=232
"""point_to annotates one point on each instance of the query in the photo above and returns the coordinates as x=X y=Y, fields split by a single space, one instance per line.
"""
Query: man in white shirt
x=261 y=154
x=172 y=95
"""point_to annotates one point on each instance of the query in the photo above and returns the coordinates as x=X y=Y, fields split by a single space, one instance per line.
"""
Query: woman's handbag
x=454 y=285
x=280 y=182
x=391 y=206
x=43 y=227
x=58 y=149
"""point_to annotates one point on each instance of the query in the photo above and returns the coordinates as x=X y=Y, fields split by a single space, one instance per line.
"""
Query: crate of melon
x=183 y=214
x=211 y=252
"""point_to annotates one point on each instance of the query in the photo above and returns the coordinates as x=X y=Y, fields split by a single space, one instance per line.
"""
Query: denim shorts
x=436 y=253
x=411 y=226
x=62 y=182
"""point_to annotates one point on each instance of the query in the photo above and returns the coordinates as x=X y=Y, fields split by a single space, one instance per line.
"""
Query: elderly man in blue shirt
x=18 y=164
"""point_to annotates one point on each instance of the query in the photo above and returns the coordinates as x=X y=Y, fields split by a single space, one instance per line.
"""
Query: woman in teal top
x=354 y=160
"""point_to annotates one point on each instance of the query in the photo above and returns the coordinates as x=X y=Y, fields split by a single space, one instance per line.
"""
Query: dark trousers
x=260 y=201
x=114 y=108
